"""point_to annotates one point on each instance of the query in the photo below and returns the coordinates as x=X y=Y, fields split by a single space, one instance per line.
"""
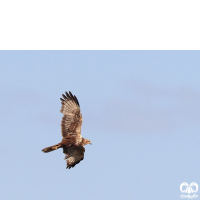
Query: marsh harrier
x=72 y=141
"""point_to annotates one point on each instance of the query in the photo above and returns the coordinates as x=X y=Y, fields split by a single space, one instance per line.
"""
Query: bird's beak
x=91 y=143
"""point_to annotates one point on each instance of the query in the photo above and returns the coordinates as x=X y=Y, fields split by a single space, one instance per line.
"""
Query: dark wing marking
x=73 y=155
x=72 y=119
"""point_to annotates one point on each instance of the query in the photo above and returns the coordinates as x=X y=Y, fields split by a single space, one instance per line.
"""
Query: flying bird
x=72 y=141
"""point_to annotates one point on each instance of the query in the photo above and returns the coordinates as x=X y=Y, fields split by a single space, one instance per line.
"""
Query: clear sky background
x=140 y=110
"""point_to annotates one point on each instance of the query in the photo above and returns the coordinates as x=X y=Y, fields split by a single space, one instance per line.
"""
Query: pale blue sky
x=140 y=110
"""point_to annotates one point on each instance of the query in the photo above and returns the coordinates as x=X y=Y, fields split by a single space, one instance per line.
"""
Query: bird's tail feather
x=51 y=148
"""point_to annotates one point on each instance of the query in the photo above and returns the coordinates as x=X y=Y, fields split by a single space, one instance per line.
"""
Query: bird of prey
x=72 y=141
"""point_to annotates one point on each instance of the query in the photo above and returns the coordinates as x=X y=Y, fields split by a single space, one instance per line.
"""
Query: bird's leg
x=56 y=147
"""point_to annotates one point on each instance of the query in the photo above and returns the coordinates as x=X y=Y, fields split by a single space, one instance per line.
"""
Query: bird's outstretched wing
x=73 y=155
x=72 y=119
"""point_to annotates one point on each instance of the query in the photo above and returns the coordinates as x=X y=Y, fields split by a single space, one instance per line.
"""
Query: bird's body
x=72 y=141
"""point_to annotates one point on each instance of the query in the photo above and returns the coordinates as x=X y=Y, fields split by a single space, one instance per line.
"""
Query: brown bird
x=72 y=141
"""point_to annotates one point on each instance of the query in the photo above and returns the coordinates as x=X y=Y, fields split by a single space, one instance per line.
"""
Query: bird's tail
x=51 y=148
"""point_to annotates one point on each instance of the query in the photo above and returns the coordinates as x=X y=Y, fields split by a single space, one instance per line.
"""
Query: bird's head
x=86 y=141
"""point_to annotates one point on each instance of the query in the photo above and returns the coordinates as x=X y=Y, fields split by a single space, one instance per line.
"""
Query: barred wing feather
x=72 y=119
x=73 y=155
